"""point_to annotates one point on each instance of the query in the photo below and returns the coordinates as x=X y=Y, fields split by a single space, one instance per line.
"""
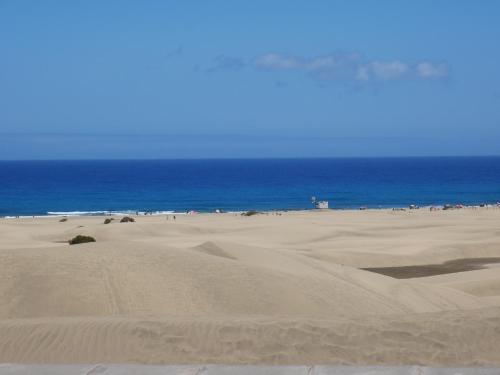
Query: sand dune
x=439 y=339
x=262 y=289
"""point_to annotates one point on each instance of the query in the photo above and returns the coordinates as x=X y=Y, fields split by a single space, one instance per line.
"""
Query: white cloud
x=351 y=67
x=326 y=62
x=427 y=69
x=277 y=61
x=387 y=70
x=362 y=74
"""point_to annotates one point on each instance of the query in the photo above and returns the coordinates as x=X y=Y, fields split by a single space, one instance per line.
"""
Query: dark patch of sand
x=451 y=266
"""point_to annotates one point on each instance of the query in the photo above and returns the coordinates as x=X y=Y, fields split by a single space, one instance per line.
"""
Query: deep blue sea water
x=39 y=187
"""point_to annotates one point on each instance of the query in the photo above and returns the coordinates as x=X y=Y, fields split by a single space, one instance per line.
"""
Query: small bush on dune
x=250 y=213
x=127 y=219
x=81 y=239
x=108 y=220
x=63 y=220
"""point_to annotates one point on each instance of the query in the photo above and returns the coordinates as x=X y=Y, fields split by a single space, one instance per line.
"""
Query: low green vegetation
x=250 y=213
x=81 y=239
x=127 y=219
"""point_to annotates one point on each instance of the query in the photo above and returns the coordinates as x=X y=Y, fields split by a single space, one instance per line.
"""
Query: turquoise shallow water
x=40 y=187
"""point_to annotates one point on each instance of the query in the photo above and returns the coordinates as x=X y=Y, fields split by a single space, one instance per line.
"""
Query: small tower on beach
x=319 y=204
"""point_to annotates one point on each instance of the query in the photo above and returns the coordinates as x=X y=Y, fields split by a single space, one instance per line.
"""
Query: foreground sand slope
x=439 y=339
x=277 y=289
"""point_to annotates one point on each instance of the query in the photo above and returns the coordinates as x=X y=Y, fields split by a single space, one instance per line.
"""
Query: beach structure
x=319 y=204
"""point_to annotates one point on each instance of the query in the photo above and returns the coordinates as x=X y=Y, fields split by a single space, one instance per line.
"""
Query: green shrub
x=127 y=219
x=250 y=213
x=108 y=220
x=63 y=220
x=81 y=239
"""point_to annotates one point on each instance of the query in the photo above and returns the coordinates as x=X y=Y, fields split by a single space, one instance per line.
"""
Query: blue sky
x=194 y=79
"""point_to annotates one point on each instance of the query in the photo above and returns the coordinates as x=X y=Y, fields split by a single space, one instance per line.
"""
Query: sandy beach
x=372 y=287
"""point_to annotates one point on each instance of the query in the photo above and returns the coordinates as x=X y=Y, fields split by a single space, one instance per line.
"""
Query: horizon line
x=264 y=158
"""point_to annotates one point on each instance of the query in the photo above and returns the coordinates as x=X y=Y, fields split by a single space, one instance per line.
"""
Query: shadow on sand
x=451 y=266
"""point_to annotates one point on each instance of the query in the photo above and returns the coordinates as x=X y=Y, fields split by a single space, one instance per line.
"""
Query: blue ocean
x=90 y=187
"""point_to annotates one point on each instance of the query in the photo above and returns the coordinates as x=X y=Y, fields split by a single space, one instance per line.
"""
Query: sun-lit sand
x=265 y=289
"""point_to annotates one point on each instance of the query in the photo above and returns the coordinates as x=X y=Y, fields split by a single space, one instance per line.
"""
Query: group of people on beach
x=448 y=207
